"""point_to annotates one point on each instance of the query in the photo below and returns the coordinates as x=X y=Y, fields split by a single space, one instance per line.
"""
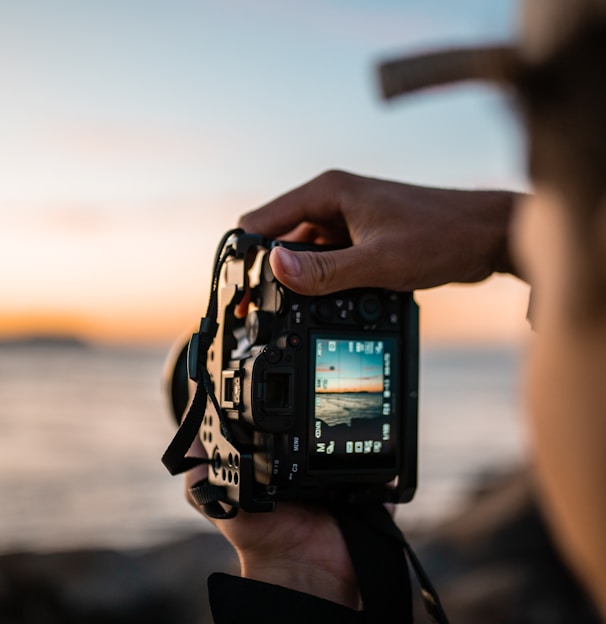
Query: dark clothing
x=234 y=600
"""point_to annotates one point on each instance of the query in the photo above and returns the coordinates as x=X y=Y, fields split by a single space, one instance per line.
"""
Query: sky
x=134 y=133
x=349 y=366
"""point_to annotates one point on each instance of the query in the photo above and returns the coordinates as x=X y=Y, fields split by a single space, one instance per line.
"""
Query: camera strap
x=175 y=457
x=381 y=557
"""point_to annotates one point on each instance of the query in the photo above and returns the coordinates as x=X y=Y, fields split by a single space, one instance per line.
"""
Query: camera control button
x=370 y=308
x=295 y=444
x=294 y=340
x=272 y=354
x=323 y=310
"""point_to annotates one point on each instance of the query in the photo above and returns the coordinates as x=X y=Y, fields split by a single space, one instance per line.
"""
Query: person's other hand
x=298 y=546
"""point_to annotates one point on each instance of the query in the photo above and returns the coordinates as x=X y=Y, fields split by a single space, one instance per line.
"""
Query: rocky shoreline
x=101 y=586
x=492 y=562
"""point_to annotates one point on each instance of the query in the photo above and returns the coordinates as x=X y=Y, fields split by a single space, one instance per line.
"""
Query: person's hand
x=395 y=235
x=297 y=546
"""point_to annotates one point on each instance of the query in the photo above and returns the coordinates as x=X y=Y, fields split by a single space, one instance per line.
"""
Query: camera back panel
x=319 y=394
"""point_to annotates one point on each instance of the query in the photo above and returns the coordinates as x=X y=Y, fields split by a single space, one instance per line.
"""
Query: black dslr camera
x=302 y=399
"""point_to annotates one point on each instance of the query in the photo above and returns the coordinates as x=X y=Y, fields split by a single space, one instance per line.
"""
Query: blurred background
x=133 y=134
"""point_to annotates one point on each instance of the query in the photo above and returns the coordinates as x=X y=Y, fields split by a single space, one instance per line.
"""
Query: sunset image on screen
x=352 y=380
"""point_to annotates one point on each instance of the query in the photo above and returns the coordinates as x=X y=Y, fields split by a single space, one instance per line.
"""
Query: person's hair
x=563 y=104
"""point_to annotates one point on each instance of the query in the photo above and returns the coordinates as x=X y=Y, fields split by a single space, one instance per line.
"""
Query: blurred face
x=566 y=391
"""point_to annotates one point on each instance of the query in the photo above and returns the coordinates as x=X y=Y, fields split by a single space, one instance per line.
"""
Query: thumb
x=312 y=272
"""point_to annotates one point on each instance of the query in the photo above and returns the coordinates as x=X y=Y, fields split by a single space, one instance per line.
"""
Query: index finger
x=318 y=202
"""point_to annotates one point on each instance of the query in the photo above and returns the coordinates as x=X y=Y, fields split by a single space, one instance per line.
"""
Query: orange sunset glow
x=116 y=190
x=494 y=311
x=491 y=312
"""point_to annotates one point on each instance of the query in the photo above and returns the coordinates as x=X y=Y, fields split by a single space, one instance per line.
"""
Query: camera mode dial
x=258 y=326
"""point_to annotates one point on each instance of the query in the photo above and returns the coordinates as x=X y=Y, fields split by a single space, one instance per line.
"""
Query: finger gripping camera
x=308 y=398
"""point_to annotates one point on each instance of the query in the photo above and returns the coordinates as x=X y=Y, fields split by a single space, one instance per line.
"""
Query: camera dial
x=258 y=325
x=370 y=308
x=323 y=310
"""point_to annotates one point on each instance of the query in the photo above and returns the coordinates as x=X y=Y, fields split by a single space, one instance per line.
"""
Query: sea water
x=83 y=428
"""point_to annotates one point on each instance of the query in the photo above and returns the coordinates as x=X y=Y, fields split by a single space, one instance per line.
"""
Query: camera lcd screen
x=353 y=402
